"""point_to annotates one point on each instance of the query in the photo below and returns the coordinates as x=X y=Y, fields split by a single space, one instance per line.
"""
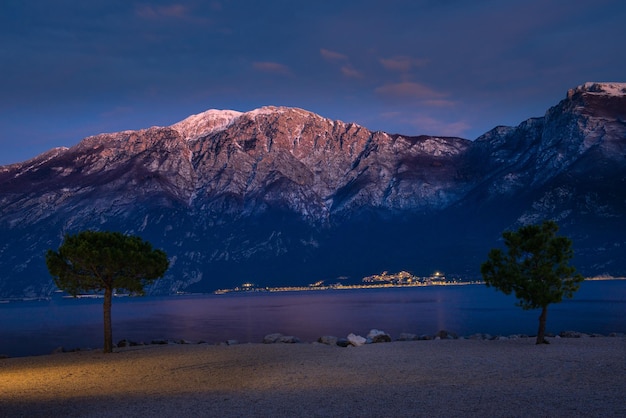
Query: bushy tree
x=93 y=261
x=535 y=267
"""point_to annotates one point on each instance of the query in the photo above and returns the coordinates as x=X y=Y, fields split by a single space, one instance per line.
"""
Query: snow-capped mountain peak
x=600 y=88
x=280 y=110
x=204 y=123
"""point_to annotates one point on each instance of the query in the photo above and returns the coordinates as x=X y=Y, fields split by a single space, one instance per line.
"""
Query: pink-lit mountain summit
x=284 y=196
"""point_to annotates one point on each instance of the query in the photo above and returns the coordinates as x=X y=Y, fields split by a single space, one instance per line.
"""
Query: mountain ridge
x=231 y=194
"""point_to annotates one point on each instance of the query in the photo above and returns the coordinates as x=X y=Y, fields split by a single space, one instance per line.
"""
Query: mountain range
x=283 y=196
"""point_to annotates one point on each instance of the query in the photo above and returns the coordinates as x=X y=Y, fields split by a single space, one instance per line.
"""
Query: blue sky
x=69 y=69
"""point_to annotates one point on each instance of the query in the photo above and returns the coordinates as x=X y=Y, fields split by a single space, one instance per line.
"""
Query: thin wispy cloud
x=272 y=68
x=403 y=64
x=332 y=55
x=216 y=5
x=440 y=103
x=343 y=62
x=147 y=11
x=426 y=124
x=408 y=89
x=440 y=127
x=351 y=72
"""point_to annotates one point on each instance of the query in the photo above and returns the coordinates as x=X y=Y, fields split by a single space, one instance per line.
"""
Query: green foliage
x=535 y=267
x=105 y=261
x=95 y=261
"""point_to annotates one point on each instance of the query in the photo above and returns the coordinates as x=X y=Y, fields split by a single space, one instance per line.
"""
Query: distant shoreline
x=341 y=287
x=276 y=289
x=251 y=289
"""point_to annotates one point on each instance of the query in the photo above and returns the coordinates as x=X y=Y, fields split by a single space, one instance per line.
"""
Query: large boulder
x=572 y=334
x=272 y=338
x=406 y=336
x=343 y=342
x=328 y=340
x=128 y=343
x=378 y=336
x=446 y=335
x=480 y=336
x=289 y=339
x=356 y=340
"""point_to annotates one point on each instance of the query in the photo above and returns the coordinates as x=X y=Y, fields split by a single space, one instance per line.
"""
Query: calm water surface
x=32 y=328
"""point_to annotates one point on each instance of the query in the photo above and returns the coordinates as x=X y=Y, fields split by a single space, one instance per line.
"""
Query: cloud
x=409 y=89
x=402 y=63
x=350 y=72
x=272 y=68
x=440 y=103
x=332 y=55
x=439 y=127
x=147 y=11
x=345 y=67
x=428 y=125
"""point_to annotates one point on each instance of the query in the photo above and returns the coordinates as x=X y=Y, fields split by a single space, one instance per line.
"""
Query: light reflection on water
x=28 y=328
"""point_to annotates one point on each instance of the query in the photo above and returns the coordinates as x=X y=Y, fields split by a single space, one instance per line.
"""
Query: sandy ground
x=454 y=378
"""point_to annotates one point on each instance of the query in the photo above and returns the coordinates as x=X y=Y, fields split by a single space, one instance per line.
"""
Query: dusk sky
x=70 y=69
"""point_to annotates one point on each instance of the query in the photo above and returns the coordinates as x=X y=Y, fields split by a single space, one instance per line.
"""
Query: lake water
x=33 y=328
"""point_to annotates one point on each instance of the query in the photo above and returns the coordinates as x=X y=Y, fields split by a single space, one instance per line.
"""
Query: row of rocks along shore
x=353 y=340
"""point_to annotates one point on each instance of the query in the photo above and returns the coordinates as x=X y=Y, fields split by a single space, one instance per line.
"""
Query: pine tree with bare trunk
x=105 y=262
x=535 y=267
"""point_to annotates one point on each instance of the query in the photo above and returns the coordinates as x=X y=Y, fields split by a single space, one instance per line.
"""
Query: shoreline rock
x=352 y=340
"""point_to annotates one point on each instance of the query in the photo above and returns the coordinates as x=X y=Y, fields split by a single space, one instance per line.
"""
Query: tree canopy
x=535 y=268
x=93 y=261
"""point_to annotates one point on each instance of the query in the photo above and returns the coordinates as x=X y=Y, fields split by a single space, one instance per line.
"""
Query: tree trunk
x=542 y=326
x=108 y=333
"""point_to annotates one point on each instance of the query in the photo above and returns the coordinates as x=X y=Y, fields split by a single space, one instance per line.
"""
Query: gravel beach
x=571 y=377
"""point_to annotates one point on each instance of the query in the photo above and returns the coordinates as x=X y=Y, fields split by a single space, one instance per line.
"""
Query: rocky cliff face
x=282 y=195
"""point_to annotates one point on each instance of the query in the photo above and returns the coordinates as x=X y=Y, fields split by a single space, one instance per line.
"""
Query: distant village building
x=405 y=278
